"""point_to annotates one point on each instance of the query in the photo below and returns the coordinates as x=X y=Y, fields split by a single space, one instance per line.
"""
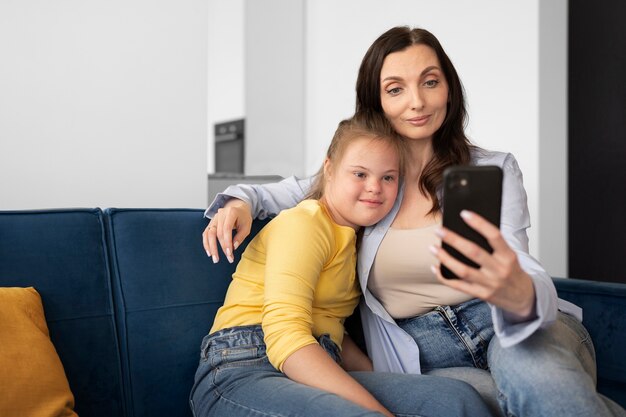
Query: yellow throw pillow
x=32 y=379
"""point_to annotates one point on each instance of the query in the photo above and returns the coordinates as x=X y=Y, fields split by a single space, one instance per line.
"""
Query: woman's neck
x=420 y=154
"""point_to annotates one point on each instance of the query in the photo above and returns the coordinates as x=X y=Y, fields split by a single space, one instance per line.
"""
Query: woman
x=274 y=348
x=503 y=316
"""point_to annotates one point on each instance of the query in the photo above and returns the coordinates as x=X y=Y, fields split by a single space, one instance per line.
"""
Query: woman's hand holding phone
x=499 y=280
x=473 y=249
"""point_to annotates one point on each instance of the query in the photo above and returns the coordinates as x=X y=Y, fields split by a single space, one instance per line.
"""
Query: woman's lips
x=419 y=121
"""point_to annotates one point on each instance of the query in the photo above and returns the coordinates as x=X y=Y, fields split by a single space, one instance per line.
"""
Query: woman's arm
x=312 y=366
x=510 y=278
x=265 y=200
x=235 y=208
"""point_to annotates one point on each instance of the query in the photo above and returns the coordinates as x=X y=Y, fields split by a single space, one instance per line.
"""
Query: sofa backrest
x=62 y=253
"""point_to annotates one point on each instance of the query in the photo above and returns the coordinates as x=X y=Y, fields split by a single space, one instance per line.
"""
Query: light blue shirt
x=391 y=348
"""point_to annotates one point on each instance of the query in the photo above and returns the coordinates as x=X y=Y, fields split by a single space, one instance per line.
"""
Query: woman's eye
x=394 y=91
x=431 y=83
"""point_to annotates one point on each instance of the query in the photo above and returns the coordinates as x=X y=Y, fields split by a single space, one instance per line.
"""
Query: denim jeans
x=552 y=373
x=235 y=379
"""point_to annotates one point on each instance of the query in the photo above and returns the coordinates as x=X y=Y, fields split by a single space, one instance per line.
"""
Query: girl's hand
x=500 y=280
x=235 y=215
x=312 y=366
x=353 y=358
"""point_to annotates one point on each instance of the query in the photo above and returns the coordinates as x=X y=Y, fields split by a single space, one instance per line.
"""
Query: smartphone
x=474 y=188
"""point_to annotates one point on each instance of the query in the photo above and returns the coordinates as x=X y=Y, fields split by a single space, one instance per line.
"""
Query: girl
x=277 y=345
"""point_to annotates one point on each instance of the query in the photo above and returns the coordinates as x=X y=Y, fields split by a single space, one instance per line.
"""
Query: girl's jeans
x=235 y=378
x=551 y=373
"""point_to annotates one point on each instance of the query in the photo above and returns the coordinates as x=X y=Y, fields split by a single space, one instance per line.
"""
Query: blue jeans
x=551 y=373
x=235 y=378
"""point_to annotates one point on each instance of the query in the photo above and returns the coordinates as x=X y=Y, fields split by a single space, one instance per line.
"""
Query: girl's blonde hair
x=373 y=126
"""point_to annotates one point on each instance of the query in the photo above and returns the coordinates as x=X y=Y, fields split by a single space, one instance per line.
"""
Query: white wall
x=495 y=47
x=103 y=103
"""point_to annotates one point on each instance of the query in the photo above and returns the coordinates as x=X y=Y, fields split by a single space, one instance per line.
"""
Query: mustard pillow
x=32 y=379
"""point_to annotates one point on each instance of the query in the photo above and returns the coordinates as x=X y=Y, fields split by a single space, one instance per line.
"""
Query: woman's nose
x=417 y=101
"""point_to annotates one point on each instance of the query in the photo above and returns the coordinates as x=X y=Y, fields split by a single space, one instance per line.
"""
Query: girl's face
x=414 y=92
x=361 y=188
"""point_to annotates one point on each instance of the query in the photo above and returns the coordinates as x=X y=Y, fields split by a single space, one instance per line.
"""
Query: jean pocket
x=580 y=331
x=576 y=327
x=204 y=348
x=237 y=356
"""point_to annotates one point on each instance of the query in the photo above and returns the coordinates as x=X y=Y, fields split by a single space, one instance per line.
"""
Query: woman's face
x=414 y=91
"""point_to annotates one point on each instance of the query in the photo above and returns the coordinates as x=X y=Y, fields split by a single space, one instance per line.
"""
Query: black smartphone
x=474 y=188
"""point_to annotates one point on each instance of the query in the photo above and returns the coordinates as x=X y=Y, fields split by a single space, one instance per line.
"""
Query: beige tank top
x=401 y=278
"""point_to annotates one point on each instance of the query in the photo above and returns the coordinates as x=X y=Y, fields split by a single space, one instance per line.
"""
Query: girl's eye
x=359 y=174
x=394 y=91
x=389 y=178
x=431 y=83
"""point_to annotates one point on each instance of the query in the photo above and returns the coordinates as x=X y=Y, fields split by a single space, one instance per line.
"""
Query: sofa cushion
x=62 y=254
x=32 y=381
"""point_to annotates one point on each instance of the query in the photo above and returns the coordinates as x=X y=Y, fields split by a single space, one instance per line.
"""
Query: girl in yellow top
x=277 y=346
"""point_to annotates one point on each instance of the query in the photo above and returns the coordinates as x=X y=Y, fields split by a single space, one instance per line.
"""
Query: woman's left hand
x=500 y=280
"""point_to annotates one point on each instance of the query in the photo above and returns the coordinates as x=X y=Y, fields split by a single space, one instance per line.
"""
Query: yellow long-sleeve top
x=297 y=279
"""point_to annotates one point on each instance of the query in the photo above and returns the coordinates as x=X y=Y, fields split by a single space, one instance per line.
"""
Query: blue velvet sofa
x=128 y=295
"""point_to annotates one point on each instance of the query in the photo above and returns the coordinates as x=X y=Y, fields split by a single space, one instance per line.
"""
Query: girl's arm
x=312 y=366
x=298 y=245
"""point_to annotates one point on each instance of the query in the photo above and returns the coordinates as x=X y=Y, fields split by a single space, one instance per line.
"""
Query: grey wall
x=103 y=103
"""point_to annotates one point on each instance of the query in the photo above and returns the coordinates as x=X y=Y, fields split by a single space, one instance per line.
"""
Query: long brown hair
x=375 y=127
x=450 y=144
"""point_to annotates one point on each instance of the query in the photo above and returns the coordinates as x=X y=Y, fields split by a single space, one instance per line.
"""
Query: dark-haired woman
x=503 y=317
